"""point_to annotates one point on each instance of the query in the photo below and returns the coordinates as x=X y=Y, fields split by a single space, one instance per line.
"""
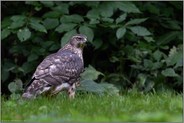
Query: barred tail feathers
x=35 y=88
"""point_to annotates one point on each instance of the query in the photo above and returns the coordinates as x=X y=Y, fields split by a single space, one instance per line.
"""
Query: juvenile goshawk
x=59 y=71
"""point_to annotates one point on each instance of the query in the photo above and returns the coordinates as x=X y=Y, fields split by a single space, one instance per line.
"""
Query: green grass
x=84 y=108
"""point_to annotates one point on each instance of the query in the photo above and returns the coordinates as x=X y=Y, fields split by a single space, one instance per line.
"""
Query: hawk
x=59 y=71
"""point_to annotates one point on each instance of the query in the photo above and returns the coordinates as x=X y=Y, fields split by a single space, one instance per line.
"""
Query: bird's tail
x=27 y=94
x=36 y=87
x=27 y=84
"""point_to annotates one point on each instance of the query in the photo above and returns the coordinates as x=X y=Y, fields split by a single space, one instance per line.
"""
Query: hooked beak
x=85 y=40
x=84 y=44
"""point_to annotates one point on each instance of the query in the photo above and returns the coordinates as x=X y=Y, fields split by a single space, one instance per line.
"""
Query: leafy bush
x=134 y=44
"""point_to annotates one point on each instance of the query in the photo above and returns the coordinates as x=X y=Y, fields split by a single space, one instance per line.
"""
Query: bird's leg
x=71 y=91
x=59 y=88
x=77 y=84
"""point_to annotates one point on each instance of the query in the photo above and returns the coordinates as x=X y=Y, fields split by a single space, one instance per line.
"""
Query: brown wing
x=60 y=67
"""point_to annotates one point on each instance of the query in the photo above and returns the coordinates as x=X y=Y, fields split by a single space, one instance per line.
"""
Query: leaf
x=149 y=85
x=15 y=96
x=34 y=3
x=38 y=8
x=91 y=86
x=114 y=59
x=37 y=5
x=127 y=7
x=140 y=31
x=71 y=19
x=90 y=73
x=50 y=23
x=152 y=8
x=171 y=24
x=102 y=88
x=141 y=79
x=136 y=21
x=37 y=26
x=97 y=43
x=32 y=57
x=109 y=20
x=28 y=67
x=5 y=22
x=120 y=32
x=169 y=72
x=93 y=13
x=19 y=83
x=65 y=27
x=23 y=34
x=67 y=37
x=52 y=14
x=121 y=18
x=94 y=21
x=146 y=46
x=106 y=9
x=157 y=65
x=35 y=20
x=179 y=63
x=148 y=63
x=15 y=86
x=110 y=89
x=46 y=44
x=12 y=87
x=87 y=31
x=62 y=8
x=47 y=3
x=54 y=47
x=16 y=18
x=92 y=3
x=175 y=57
x=8 y=65
x=164 y=47
x=17 y=24
x=157 y=55
x=149 y=39
x=172 y=51
x=166 y=38
x=5 y=33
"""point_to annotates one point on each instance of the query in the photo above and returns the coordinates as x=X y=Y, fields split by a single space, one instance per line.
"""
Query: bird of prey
x=59 y=71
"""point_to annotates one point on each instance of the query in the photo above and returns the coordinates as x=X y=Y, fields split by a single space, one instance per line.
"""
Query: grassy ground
x=84 y=108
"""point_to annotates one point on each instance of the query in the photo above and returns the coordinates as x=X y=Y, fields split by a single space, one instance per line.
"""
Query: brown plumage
x=59 y=71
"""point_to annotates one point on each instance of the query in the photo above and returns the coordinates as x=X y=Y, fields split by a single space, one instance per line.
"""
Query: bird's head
x=78 y=41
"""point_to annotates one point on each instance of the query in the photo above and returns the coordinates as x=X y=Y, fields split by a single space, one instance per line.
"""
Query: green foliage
x=87 y=31
x=88 y=83
x=140 y=31
x=169 y=72
x=67 y=36
x=23 y=34
x=65 y=27
x=37 y=26
x=15 y=88
x=90 y=73
x=120 y=32
x=136 y=21
x=136 y=44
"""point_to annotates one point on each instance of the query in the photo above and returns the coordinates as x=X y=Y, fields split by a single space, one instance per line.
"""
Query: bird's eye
x=79 y=38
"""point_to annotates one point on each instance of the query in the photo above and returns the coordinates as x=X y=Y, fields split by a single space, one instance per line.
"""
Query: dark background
x=145 y=55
